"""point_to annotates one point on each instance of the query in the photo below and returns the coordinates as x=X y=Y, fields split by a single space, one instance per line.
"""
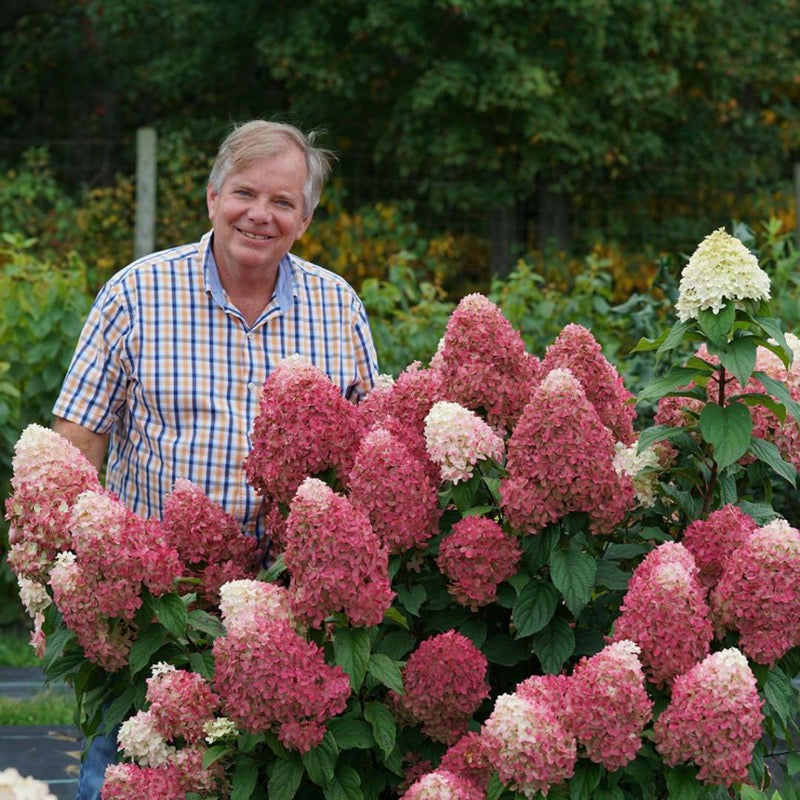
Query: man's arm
x=92 y=445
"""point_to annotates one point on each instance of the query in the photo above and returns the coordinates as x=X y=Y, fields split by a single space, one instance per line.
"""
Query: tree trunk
x=552 y=217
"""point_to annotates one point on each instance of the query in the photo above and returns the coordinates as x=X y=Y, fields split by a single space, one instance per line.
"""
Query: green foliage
x=42 y=310
x=45 y=708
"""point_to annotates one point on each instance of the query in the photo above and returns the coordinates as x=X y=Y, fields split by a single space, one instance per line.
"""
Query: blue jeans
x=102 y=752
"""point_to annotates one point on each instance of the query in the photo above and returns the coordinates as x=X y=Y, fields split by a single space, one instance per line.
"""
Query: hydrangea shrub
x=490 y=580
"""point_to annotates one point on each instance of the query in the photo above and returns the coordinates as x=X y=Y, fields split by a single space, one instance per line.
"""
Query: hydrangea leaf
x=535 y=606
x=554 y=645
x=352 y=649
x=573 y=573
x=717 y=327
x=245 y=778
x=320 y=761
x=728 y=430
x=384 y=728
x=768 y=453
x=285 y=779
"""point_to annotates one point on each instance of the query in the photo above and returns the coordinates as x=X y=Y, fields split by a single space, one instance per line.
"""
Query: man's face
x=259 y=214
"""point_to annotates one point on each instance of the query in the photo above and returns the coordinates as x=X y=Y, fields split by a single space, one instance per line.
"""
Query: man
x=166 y=377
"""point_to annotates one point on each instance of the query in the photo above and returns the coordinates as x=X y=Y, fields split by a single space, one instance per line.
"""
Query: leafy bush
x=42 y=310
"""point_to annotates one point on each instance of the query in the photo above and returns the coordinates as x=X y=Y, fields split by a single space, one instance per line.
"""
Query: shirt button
x=251 y=387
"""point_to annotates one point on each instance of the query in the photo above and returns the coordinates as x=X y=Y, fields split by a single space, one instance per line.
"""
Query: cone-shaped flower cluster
x=336 y=561
x=457 y=438
x=578 y=351
x=713 y=719
x=445 y=683
x=244 y=603
x=665 y=613
x=393 y=487
x=527 y=744
x=304 y=427
x=98 y=587
x=208 y=539
x=49 y=473
x=477 y=556
x=483 y=364
x=443 y=785
x=720 y=269
x=758 y=594
x=608 y=705
x=712 y=540
x=289 y=689
x=467 y=759
x=14 y=786
x=560 y=459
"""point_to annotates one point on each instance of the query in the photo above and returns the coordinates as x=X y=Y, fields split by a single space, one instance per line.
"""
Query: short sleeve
x=94 y=389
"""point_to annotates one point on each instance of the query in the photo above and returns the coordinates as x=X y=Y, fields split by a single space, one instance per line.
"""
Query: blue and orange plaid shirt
x=169 y=368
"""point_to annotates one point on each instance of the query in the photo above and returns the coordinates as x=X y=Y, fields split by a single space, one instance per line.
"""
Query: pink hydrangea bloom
x=527 y=744
x=445 y=683
x=477 y=556
x=208 y=782
x=132 y=782
x=393 y=487
x=457 y=438
x=712 y=540
x=483 y=364
x=467 y=759
x=561 y=459
x=74 y=594
x=48 y=474
x=665 y=612
x=181 y=703
x=578 y=351
x=140 y=740
x=551 y=689
x=713 y=719
x=304 y=427
x=336 y=561
x=443 y=785
x=608 y=705
x=289 y=689
x=758 y=594
x=207 y=538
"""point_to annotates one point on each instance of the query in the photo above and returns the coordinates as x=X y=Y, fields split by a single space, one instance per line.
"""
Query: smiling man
x=167 y=374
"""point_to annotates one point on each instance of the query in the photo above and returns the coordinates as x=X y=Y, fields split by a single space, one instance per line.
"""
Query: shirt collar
x=285 y=286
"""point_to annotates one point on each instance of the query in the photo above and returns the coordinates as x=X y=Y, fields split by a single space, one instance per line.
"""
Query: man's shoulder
x=183 y=256
x=314 y=273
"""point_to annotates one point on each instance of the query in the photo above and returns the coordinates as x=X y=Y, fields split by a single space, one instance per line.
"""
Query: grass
x=15 y=651
x=48 y=707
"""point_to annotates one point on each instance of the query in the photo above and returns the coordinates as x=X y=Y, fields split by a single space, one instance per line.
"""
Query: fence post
x=145 y=235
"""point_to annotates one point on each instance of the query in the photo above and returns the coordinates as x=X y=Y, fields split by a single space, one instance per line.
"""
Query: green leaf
x=346 y=785
x=214 y=754
x=284 y=780
x=585 y=780
x=768 y=453
x=554 y=645
x=351 y=647
x=717 y=327
x=412 y=597
x=610 y=575
x=739 y=357
x=172 y=614
x=535 y=606
x=351 y=733
x=387 y=671
x=728 y=430
x=505 y=650
x=773 y=329
x=245 y=778
x=149 y=641
x=119 y=709
x=673 y=338
x=55 y=645
x=274 y=571
x=676 y=378
x=780 y=695
x=780 y=391
x=659 y=433
x=573 y=573
x=536 y=548
x=320 y=761
x=683 y=784
x=384 y=727
x=495 y=790
x=200 y=620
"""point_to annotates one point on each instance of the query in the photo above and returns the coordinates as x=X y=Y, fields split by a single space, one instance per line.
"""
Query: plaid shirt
x=169 y=368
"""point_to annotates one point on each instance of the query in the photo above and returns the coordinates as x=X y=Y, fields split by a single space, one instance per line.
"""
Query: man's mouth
x=254 y=236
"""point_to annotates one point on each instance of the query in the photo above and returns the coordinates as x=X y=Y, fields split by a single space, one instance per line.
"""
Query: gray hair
x=259 y=138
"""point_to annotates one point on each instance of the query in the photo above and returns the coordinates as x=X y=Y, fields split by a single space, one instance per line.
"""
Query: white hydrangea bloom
x=140 y=740
x=14 y=786
x=33 y=595
x=641 y=468
x=720 y=269
x=219 y=728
